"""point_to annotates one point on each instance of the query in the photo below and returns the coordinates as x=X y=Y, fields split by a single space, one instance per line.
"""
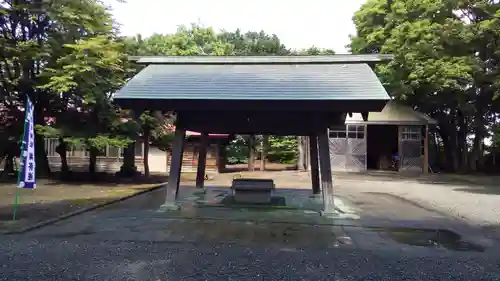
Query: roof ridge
x=328 y=59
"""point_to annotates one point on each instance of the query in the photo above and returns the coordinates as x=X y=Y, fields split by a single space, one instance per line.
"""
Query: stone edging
x=81 y=211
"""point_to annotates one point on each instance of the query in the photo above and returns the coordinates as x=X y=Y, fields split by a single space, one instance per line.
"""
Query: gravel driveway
x=473 y=199
x=116 y=243
x=470 y=203
x=79 y=259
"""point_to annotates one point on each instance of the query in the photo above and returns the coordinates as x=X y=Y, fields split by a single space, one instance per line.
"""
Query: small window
x=356 y=131
x=411 y=133
x=337 y=134
x=352 y=135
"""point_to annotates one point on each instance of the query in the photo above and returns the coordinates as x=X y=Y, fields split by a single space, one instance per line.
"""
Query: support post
x=251 y=153
x=221 y=157
x=202 y=161
x=326 y=173
x=400 y=148
x=313 y=154
x=307 y=149
x=426 y=150
x=263 y=155
x=174 y=176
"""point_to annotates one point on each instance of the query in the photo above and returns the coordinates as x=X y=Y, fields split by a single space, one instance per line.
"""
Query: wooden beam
x=326 y=172
x=313 y=145
x=202 y=160
x=174 y=176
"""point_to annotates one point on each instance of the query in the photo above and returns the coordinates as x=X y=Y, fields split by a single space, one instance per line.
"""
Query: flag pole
x=20 y=169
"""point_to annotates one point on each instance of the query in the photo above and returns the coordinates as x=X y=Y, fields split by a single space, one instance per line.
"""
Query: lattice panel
x=412 y=164
x=356 y=146
x=338 y=148
x=412 y=158
x=355 y=163
x=356 y=155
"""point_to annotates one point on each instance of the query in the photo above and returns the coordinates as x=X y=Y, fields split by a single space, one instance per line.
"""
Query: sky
x=299 y=24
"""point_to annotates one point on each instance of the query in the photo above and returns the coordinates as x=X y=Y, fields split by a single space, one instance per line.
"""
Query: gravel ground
x=131 y=241
x=75 y=259
x=478 y=204
x=474 y=207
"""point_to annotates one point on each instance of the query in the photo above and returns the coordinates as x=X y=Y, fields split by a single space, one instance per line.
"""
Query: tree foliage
x=446 y=65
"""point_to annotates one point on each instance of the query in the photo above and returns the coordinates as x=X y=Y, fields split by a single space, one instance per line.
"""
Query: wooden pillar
x=307 y=161
x=251 y=153
x=221 y=157
x=174 y=176
x=313 y=155
x=400 y=148
x=326 y=172
x=202 y=161
x=426 y=150
x=166 y=161
x=263 y=155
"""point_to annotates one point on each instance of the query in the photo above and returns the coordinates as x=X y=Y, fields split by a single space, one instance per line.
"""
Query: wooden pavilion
x=370 y=144
x=296 y=95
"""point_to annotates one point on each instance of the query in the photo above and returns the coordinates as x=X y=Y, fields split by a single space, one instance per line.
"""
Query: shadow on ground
x=101 y=178
x=488 y=190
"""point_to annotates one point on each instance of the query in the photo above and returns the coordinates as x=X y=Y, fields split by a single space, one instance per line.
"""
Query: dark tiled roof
x=319 y=81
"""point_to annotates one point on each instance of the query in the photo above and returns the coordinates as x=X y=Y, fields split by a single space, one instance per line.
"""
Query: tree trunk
x=42 y=161
x=62 y=149
x=301 y=161
x=476 y=159
x=263 y=155
x=449 y=146
x=462 y=141
x=92 y=161
x=128 y=169
x=8 y=168
x=251 y=153
x=145 y=157
x=12 y=150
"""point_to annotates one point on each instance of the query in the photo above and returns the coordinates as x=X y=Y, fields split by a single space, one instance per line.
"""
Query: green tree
x=313 y=51
x=254 y=43
x=445 y=65
x=91 y=71
x=33 y=38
